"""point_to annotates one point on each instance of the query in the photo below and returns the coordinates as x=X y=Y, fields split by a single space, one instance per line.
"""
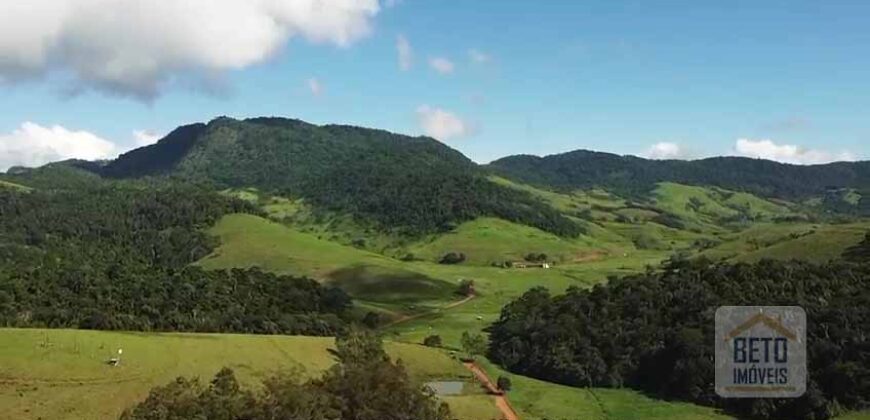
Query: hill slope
x=585 y=169
x=409 y=184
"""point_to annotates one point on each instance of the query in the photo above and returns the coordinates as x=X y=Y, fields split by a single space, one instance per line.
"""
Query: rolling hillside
x=583 y=169
x=398 y=183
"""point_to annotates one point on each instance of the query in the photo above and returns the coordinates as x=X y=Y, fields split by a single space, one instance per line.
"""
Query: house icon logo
x=760 y=351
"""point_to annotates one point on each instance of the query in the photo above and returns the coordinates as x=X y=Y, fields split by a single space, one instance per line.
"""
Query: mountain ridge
x=631 y=174
x=412 y=184
x=418 y=184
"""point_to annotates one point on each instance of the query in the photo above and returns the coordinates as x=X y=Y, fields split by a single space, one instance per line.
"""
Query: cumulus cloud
x=441 y=65
x=142 y=138
x=478 y=57
x=441 y=124
x=788 y=153
x=136 y=48
x=667 y=150
x=406 y=54
x=34 y=145
x=315 y=87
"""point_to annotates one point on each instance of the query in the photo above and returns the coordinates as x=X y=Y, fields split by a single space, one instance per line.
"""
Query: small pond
x=443 y=388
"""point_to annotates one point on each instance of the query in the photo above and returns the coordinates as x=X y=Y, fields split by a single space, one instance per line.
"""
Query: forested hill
x=630 y=174
x=410 y=184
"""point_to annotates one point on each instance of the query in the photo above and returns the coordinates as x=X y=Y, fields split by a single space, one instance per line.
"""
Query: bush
x=452 y=258
x=473 y=344
x=372 y=319
x=466 y=288
x=532 y=257
x=670 y=220
x=432 y=341
x=504 y=383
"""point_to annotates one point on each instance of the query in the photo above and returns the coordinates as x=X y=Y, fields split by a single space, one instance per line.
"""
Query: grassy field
x=63 y=374
x=250 y=241
x=7 y=184
x=540 y=400
x=811 y=242
x=489 y=240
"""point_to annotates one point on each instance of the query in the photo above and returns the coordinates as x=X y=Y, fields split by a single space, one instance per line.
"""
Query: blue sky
x=786 y=80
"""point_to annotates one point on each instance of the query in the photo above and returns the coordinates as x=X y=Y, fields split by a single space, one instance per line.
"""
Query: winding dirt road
x=501 y=401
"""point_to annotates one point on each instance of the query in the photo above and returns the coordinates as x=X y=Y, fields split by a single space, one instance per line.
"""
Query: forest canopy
x=117 y=257
x=652 y=332
x=412 y=185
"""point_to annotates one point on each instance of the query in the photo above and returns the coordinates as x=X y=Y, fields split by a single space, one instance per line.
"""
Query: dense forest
x=408 y=184
x=652 y=332
x=631 y=176
x=117 y=256
x=364 y=385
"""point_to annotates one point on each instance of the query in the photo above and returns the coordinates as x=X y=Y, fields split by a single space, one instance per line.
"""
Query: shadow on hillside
x=390 y=286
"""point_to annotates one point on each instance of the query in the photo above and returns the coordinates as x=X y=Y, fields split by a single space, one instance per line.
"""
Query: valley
x=381 y=236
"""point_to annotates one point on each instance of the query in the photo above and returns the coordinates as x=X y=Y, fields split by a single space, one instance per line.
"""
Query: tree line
x=117 y=256
x=653 y=332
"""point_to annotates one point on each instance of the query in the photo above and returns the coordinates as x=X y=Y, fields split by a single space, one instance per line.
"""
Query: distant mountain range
x=586 y=169
x=417 y=184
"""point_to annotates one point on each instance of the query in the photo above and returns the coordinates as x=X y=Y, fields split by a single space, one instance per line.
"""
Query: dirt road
x=501 y=401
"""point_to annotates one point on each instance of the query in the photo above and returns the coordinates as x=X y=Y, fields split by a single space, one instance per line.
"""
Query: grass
x=466 y=407
x=706 y=208
x=251 y=241
x=827 y=243
x=811 y=242
x=487 y=240
x=7 y=184
x=539 y=400
x=62 y=374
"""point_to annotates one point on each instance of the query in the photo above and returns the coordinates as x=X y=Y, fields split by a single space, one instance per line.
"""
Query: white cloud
x=143 y=138
x=135 y=48
x=315 y=87
x=788 y=153
x=441 y=124
x=478 y=57
x=34 y=145
x=406 y=54
x=666 y=150
x=389 y=4
x=441 y=65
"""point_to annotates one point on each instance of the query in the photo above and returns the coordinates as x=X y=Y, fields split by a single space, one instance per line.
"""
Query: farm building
x=526 y=264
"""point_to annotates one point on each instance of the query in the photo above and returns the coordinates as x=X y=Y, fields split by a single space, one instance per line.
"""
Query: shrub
x=452 y=258
x=466 y=288
x=432 y=341
x=504 y=383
